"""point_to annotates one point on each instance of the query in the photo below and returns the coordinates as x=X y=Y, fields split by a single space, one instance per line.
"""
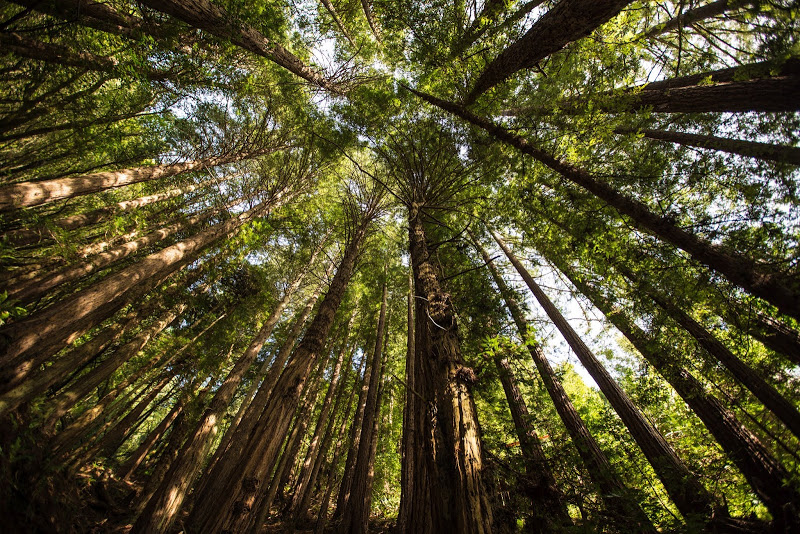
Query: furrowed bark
x=448 y=489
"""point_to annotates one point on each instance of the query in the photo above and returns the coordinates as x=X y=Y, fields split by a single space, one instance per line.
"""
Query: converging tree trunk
x=688 y=494
x=756 y=278
x=617 y=498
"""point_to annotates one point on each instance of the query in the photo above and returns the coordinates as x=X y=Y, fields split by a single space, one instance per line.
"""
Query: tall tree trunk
x=67 y=399
x=178 y=435
x=40 y=234
x=354 y=440
x=753 y=149
x=160 y=512
x=746 y=273
x=299 y=505
x=264 y=497
x=277 y=415
x=322 y=517
x=448 y=493
x=236 y=438
x=50 y=330
x=615 y=495
x=549 y=510
x=216 y=21
x=28 y=194
x=355 y=519
x=567 y=21
x=683 y=487
x=61 y=55
x=765 y=474
x=411 y=406
x=116 y=436
x=40 y=286
x=776 y=403
x=126 y=470
x=304 y=502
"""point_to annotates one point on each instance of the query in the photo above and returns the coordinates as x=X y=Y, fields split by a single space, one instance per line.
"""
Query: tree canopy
x=384 y=265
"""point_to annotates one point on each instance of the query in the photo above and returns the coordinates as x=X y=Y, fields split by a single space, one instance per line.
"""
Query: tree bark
x=448 y=492
x=549 y=511
x=126 y=470
x=28 y=194
x=407 y=447
x=567 y=21
x=302 y=489
x=61 y=55
x=776 y=403
x=234 y=509
x=48 y=331
x=763 y=472
x=40 y=286
x=752 y=149
x=698 y=14
x=234 y=444
x=355 y=519
x=37 y=235
x=615 y=495
x=683 y=487
x=160 y=512
x=741 y=270
x=264 y=499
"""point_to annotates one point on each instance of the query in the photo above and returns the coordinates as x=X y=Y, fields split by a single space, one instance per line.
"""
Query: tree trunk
x=27 y=194
x=688 y=494
x=753 y=149
x=116 y=436
x=303 y=505
x=50 y=330
x=302 y=490
x=264 y=498
x=40 y=286
x=61 y=55
x=322 y=517
x=567 y=21
x=776 y=403
x=448 y=493
x=354 y=439
x=37 y=235
x=765 y=474
x=216 y=21
x=278 y=411
x=615 y=495
x=355 y=519
x=692 y=16
x=234 y=443
x=407 y=450
x=126 y=470
x=742 y=271
x=549 y=511
x=160 y=512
